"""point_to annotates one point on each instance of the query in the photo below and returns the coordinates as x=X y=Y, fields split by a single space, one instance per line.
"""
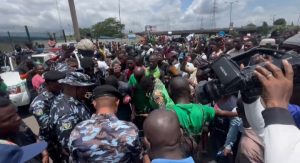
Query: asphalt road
x=29 y=120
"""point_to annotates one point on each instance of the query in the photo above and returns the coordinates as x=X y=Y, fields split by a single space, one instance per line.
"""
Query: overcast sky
x=47 y=15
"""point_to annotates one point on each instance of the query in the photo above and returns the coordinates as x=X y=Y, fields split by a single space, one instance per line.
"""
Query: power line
x=58 y=14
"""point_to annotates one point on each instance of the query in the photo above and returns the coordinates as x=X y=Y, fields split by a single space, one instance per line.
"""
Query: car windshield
x=38 y=60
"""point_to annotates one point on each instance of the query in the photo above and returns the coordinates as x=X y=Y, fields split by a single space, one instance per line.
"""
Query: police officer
x=105 y=138
x=40 y=108
x=68 y=108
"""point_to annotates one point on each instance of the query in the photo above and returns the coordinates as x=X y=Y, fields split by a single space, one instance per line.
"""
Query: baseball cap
x=13 y=153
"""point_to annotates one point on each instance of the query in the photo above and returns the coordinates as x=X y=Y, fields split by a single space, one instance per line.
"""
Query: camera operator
x=274 y=124
x=251 y=147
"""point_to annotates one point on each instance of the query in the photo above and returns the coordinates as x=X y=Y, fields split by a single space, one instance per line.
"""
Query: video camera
x=230 y=79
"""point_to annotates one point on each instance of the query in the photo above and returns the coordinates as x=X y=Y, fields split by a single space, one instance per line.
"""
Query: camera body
x=230 y=79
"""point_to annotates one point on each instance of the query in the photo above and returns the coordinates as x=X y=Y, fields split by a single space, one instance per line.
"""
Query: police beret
x=77 y=79
x=106 y=90
x=54 y=75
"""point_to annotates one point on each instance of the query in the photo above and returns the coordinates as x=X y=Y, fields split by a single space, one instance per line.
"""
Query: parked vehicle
x=17 y=89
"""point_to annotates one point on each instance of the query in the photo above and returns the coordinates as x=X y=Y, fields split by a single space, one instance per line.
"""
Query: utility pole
x=120 y=11
x=213 y=23
x=120 y=20
x=27 y=33
x=230 y=14
x=298 y=20
x=201 y=23
x=74 y=20
x=273 y=18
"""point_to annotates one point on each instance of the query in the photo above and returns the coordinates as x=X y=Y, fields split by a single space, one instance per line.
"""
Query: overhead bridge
x=242 y=30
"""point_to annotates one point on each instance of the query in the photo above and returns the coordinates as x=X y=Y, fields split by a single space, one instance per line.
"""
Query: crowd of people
x=112 y=102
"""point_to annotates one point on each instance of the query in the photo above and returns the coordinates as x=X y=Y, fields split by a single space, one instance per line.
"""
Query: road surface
x=29 y=120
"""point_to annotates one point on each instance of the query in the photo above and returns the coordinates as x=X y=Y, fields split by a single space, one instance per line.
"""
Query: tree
x=251 y=25
x=84 y=31
x=263 y=29
x=280 y=22
x=265 y=24
x=109 y=27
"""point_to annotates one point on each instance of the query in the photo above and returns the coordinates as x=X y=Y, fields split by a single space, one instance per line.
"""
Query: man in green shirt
x=192 y=117
x=153 y=69
x=140 y=101
x=157 y=92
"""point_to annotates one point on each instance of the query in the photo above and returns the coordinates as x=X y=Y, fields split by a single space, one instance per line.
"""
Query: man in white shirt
x=238 y=48
x=273 y=123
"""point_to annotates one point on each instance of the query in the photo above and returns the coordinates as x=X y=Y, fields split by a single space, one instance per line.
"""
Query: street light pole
x=230 y=14
x=120 y=20
x=298 y=20
x=74 y=20
x=120 y=12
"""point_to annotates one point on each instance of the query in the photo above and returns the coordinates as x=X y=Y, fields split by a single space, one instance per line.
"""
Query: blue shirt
x=186 y=160
x=295 y=112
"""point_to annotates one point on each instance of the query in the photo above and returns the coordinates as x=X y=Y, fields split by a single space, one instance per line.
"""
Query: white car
x=17 y=89
x=42 y=58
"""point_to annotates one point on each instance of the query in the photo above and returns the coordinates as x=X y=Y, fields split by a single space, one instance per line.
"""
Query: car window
x=38 y=60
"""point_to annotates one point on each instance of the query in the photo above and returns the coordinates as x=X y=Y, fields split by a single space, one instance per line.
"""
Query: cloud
x=259 y=10
x=45 y=15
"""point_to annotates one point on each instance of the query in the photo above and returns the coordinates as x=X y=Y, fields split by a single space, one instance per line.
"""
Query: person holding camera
x=272 y=122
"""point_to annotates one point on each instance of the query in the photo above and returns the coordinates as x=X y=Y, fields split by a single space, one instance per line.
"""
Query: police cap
x=106 y=90
x=54 y=75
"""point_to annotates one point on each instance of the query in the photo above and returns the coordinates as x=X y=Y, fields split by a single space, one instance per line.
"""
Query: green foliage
x=233 y=33
x=251 y=25
x=280 y=21
x=264 y=29
x=109 y=27
x=84 y=31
